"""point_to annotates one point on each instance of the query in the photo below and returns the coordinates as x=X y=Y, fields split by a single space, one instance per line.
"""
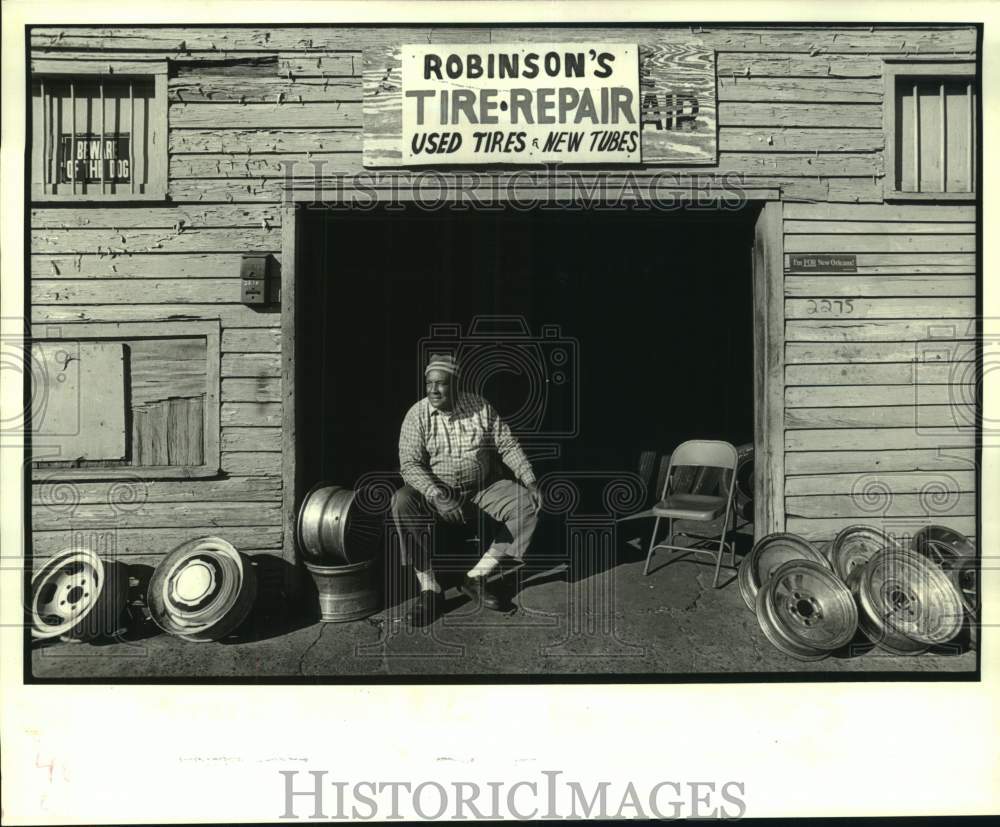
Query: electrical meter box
x=256 y=272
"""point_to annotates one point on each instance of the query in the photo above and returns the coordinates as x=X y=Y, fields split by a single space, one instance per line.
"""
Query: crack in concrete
x=380 y=625
x=701 y=593
x=302 y=657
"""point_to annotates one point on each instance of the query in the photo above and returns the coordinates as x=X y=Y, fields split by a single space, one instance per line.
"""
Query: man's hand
x=446 y=506
x=450 y=513
x=536 y=496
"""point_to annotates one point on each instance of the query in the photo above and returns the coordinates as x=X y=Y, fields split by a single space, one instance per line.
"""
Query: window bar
x=916 y=139
x=101 y=153
x=45 y=138
x=72 y=140
x=944 y=140
x=971 y=152
x=131 y=137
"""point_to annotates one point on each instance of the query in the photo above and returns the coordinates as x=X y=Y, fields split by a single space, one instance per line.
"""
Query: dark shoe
x=426 y=608
x=484 y=594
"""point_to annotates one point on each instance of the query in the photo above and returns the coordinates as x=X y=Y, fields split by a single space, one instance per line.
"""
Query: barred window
x=99 y=137
x=930 y=123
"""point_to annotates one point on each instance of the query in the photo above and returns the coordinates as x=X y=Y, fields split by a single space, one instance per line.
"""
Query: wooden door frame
x=769 y=372
x=290 y=472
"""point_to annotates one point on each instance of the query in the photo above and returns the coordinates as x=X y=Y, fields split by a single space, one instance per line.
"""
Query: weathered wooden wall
x=880 y=390
x=800 y=116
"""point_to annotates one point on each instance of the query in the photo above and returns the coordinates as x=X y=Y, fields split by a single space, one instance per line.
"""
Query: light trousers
x=506 y=501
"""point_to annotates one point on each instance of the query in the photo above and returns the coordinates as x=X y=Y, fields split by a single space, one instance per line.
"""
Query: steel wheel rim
x=331 y=530
x=792 y=645
x=769 y=627
x=333 y=523
x=768 y=554
x=908 y=594
x=886 y=639
x=227 y=575
x=65 y=591
x=746 y=587
x=856 y=545
x=237 y=613
x=744 y=474
x=181 y=609
x=956 y=556
x=811 y=606
x=824 y=549
x=941 y=553
x=942 y=544
x=965 y=576
x=320 y=536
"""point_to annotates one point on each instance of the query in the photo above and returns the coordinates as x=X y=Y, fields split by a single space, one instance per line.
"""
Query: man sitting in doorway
x=450 y=446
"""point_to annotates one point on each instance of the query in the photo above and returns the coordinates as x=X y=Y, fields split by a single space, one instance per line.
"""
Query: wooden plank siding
x=880 y=407
x=752 y=42
x=155 y=540
x=779 y=92
x=800 y=118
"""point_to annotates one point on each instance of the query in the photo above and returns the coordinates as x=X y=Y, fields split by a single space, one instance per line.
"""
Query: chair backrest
x=704 y=453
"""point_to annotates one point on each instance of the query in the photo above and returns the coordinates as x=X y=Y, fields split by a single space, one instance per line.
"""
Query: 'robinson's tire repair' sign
x=526 y=103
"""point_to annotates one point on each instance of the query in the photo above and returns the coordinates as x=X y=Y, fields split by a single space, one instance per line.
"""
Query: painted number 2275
x=830 y=306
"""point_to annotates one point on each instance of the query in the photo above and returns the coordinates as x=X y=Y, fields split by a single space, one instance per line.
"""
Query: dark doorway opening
x=651 y=311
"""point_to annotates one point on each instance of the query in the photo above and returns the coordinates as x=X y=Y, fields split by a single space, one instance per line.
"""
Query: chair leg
x=732 y=543
x=722 y=548
x=652 y=545
x=718 y=560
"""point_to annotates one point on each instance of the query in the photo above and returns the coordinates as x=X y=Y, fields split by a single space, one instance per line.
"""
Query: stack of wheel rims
x=810 y=602
x=339 y=539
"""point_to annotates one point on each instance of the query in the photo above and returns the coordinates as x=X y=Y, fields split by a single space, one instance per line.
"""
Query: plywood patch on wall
x=80 y=391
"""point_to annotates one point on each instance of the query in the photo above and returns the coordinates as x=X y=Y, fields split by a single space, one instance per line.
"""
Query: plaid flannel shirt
x=458 y=448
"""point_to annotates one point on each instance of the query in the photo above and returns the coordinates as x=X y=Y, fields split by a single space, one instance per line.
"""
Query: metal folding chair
x=675 y=505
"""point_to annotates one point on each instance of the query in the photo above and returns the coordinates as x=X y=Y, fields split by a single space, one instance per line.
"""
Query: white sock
x=487 y=563
x=428 y=582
